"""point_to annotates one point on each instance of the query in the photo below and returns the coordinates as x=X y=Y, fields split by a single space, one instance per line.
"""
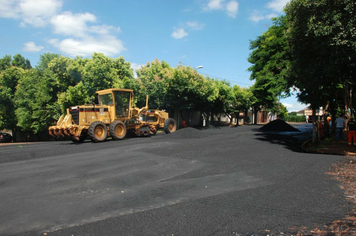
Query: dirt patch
x=331 y=146
x=278 y=125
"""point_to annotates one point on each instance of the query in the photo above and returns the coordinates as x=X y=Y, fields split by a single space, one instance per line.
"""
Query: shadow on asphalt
x=290 y=140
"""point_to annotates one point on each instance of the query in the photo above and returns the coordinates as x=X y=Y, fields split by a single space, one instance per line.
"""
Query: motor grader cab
x=113 y=116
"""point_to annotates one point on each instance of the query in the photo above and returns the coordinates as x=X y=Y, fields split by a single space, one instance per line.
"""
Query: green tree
x=189 y=90
x=8 y=82
x=123 y=73
x=280 y=110
x=224 y=100
x=244 y=99
x=79 y=79
x=20 y=61
x=5 y=62
x=45 y=59
x=321 y=36
x=270 y=58
x=152 y=79
x=65 y=74
x=75 y=95
x=102 y=72
x=34 y=104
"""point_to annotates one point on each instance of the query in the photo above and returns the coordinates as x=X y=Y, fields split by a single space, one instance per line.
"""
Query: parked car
x=5 y=138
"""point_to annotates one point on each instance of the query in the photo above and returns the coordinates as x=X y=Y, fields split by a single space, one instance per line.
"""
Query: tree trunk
x=14 y=134
x=246 y=116
x=176 y=117
x=315 y=127
x=255 y=117
x=237 y=116
x=211 y=118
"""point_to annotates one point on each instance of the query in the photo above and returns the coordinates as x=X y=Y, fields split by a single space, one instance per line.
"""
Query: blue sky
x=214 y=34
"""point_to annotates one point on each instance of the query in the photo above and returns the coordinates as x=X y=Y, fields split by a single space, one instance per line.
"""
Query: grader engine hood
x=79 y=118
x=85 y=115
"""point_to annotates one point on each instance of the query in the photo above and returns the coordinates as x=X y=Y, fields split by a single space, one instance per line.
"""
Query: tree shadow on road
x=290 y=140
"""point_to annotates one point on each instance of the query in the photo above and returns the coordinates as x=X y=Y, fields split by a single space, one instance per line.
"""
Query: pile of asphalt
x=187 y=133
x=278 y=125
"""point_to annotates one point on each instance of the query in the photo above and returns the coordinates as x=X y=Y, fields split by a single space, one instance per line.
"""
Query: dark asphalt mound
x=278 y=125
x=187 y=133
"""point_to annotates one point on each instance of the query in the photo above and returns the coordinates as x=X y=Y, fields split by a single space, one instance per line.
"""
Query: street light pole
x=196 y=68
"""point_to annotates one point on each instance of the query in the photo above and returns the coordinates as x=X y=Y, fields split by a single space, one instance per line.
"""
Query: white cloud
x=38 y=12
x=136 y=66
x=179 y=33
x=32 y=12
x=84 y=36
x=9 y=9
x=270 y=16
x=230 y=7
x=104 y=29
x=256 y=16
x=195 y=25
x=32 y=47
x=295 y=106
x=215 y=4
x=109 y=45
x=68 y=23
x=277 y=5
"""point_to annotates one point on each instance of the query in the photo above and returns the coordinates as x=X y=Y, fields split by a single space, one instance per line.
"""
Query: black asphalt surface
x=221 y=181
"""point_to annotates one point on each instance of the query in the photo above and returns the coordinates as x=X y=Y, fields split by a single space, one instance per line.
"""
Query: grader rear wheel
x=97 y=131
x=170 y=125
x=117 y=130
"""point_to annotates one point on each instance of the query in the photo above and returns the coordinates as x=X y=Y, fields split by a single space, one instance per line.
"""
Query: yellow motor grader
x=113 y=116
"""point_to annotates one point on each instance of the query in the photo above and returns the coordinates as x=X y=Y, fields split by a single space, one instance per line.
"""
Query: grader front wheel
x=117 y=129
x=97 y=131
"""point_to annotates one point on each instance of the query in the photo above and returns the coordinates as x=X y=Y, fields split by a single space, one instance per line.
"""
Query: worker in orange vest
x=351 y=125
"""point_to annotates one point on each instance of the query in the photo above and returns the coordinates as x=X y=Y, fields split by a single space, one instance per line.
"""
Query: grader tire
x=97 y=131
x=117 y=130
x=170 y=126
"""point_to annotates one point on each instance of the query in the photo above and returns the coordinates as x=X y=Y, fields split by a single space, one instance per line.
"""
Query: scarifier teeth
x=65 y=131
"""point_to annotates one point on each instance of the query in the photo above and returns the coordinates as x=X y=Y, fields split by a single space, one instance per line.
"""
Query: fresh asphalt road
x=213 y=182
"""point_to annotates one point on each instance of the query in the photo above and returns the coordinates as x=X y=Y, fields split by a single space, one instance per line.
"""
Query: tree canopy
x=33 y=98
x=321 y=35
